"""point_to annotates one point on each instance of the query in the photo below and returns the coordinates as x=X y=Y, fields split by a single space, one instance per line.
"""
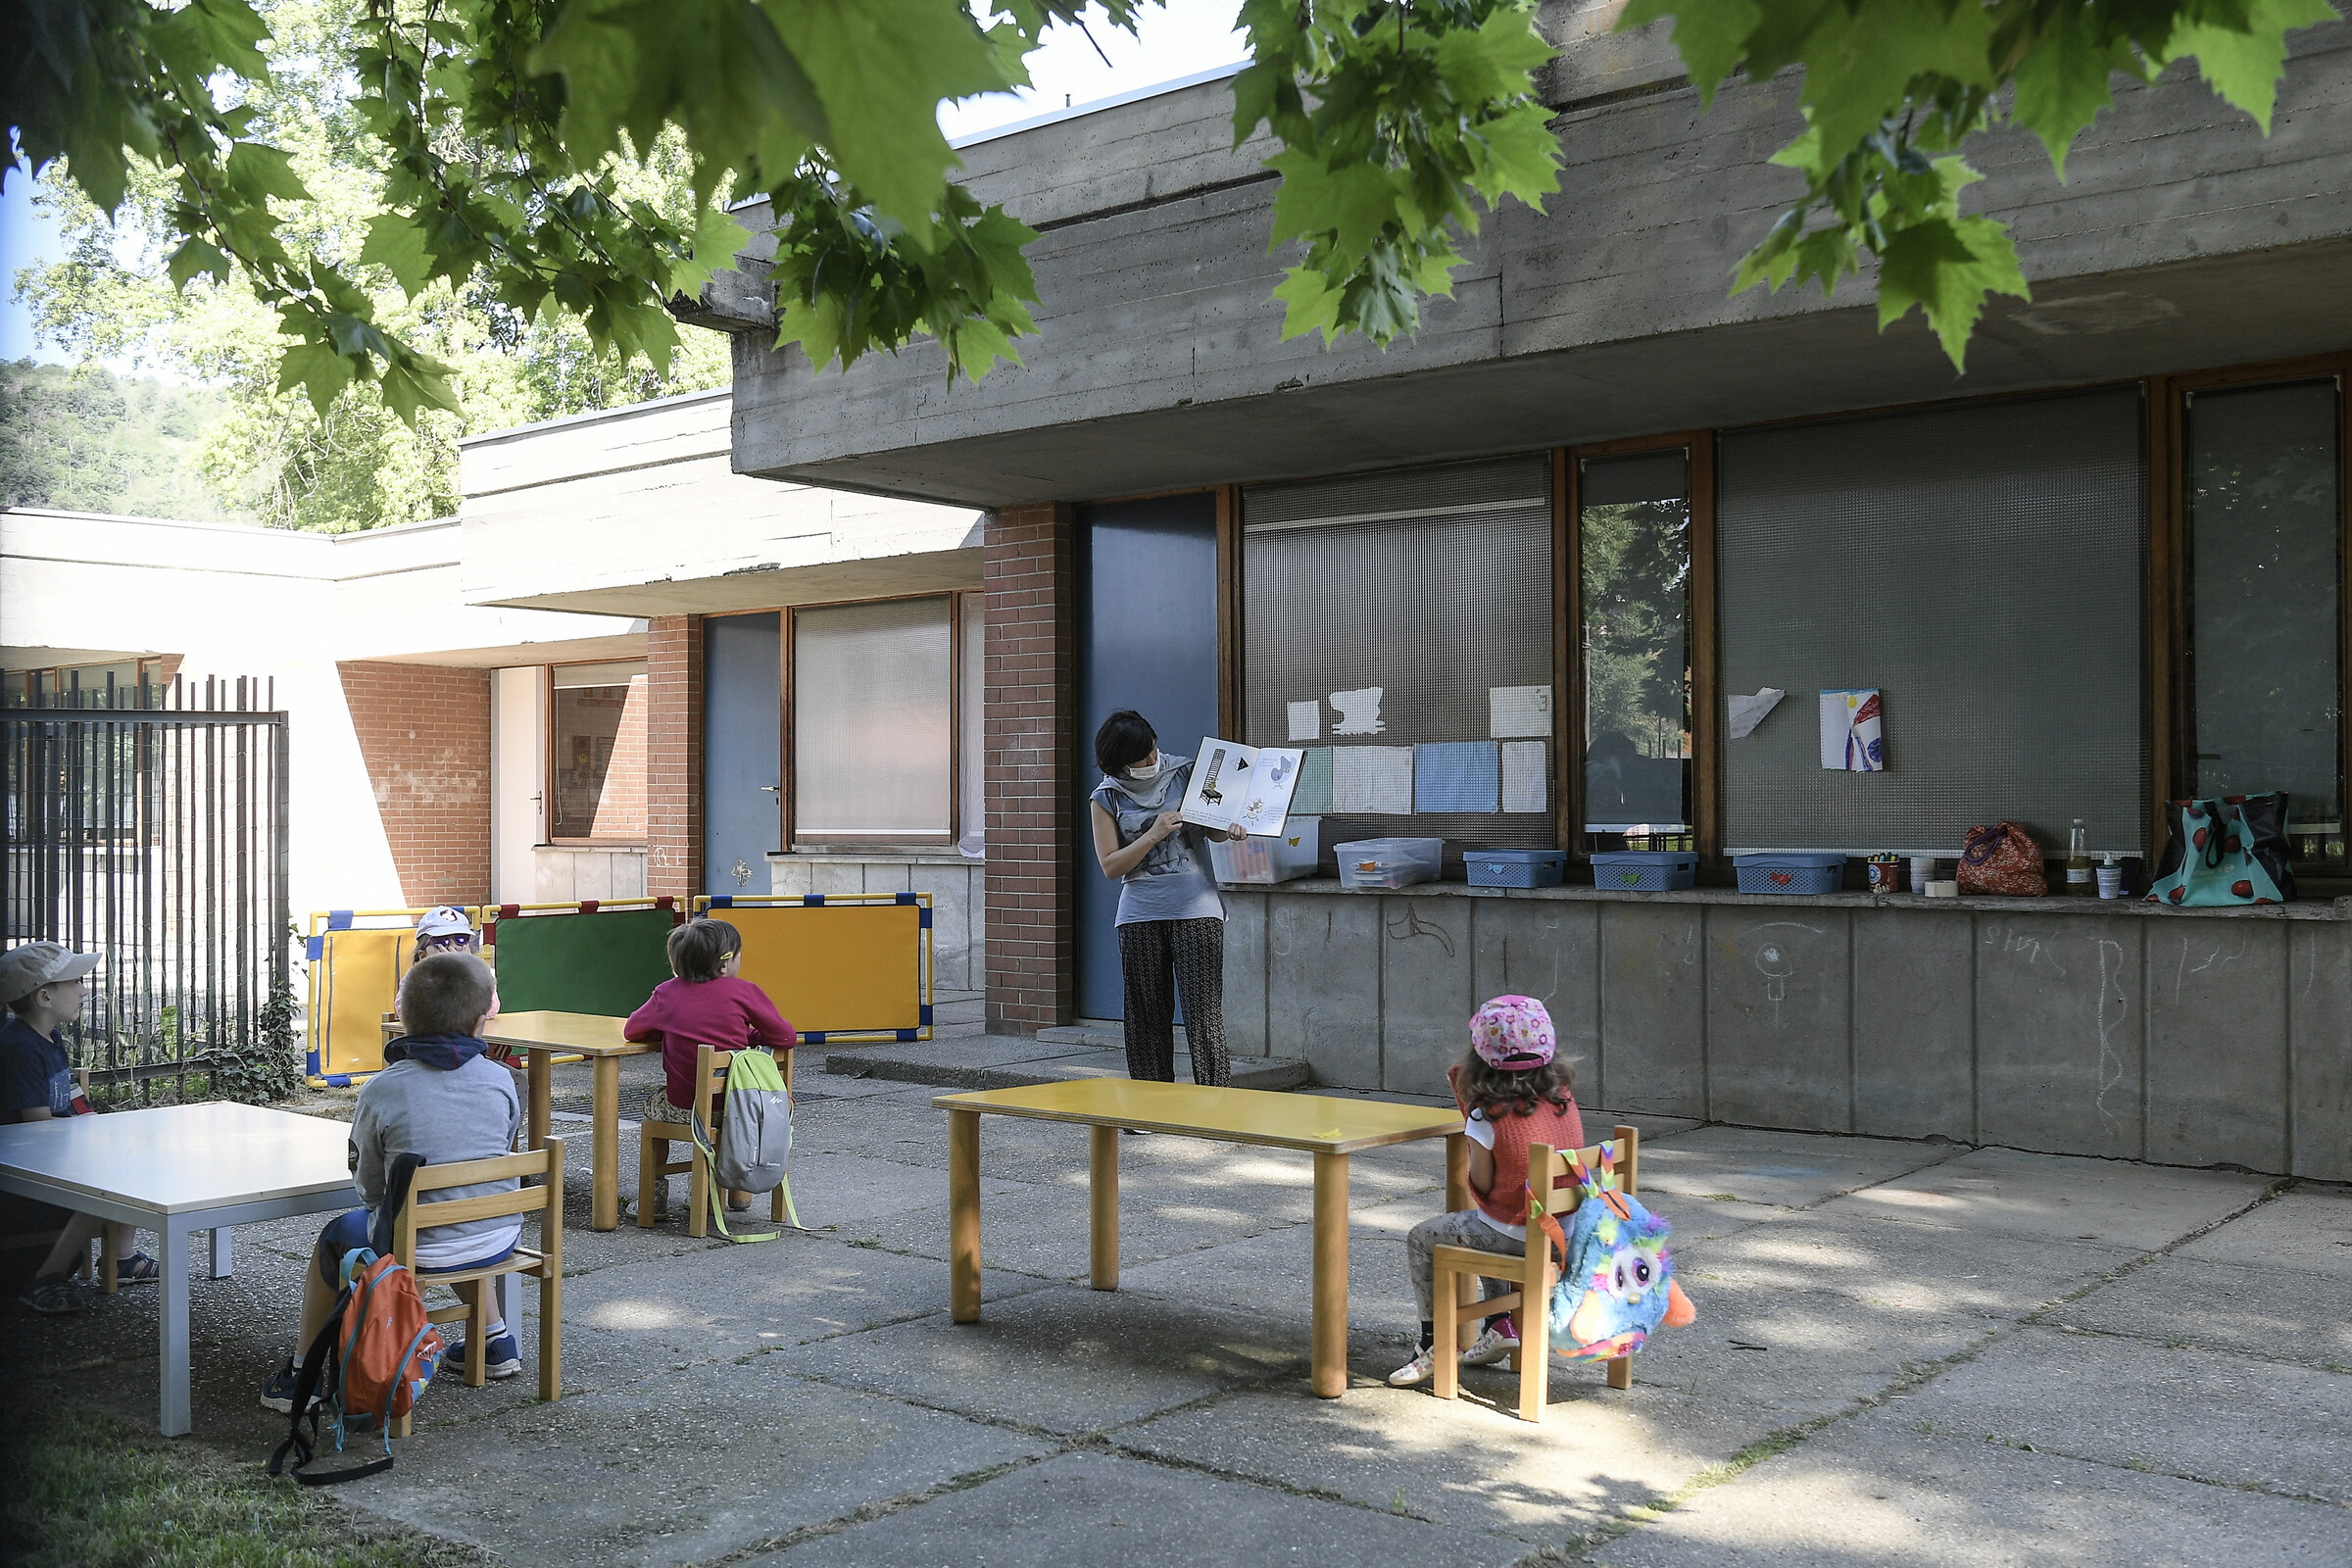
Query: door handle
x=774 y=789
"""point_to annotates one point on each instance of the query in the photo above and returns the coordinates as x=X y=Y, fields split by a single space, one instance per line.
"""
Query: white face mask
x=1145 y=773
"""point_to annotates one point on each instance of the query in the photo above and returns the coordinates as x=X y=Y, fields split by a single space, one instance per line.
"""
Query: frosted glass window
x=1634 y=529
x=2264 y=523
x=872 y=716
x=972 y=737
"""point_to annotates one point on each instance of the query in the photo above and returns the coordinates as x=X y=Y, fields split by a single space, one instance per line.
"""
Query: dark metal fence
x=148 y=824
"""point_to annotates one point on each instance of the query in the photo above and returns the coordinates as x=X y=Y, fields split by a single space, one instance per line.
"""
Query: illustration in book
x=1245 y=784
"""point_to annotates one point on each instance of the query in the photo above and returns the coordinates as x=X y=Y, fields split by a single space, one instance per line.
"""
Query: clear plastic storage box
x=1275 y=859
x=1644 y=870
x=1515 y=868
x=1390 y=862
x=1806 y=873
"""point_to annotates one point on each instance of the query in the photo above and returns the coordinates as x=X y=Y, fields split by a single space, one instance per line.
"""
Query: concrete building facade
x=2101 y=571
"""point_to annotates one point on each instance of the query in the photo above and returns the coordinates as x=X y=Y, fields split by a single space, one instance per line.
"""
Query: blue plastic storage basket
x=1796 y=875
x=1515 y=868
x=1645 y=870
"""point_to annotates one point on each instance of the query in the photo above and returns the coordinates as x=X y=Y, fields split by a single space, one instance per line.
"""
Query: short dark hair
x=700 y=946
x=446 y=994
x=1124 y=740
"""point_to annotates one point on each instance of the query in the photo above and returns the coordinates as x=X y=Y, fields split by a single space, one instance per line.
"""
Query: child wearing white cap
x=42 y=984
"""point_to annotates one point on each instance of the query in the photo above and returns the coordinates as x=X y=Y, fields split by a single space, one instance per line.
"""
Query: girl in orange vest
x=1514 y=1090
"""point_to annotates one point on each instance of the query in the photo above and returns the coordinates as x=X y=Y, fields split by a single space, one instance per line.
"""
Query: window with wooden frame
x=2249 y=515
x=596 y=751
x=884 y=711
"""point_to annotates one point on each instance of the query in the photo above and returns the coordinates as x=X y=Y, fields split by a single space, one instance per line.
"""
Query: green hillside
x=88 y=440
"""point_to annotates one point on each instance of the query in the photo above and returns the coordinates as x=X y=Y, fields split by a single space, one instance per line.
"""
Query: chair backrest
x=1547 y=1171
x=546 y=1199
x=711 y=1073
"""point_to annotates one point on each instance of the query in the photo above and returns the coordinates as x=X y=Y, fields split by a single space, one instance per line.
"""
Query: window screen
x=871 y=709
x=598 y=724
x=1398 y=626
x=1634 y=538
x=1981 y=569
x=2264 y=511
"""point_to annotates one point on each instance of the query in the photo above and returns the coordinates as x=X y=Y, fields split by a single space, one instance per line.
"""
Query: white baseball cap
x=25 y=969
x=443 y=921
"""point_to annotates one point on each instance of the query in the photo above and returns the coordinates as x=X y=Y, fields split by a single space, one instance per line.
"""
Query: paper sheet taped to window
x=1372 y=779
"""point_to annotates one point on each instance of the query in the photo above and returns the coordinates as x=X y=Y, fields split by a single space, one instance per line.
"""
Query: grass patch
x=93 y=1492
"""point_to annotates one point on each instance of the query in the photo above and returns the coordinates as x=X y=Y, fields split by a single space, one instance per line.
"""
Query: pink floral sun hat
x=1513 y=1034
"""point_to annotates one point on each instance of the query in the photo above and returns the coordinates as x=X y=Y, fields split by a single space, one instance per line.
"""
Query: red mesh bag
x=2001 y=858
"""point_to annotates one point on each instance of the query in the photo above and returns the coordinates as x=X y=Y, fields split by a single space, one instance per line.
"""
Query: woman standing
x=1171 y=916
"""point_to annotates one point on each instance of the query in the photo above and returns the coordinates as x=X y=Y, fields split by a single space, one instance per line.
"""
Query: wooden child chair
x=546 y=1265
x=1459 y=1268
x=654 y=1137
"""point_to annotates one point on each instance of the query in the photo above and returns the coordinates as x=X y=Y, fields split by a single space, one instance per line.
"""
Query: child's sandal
x=137 y=1269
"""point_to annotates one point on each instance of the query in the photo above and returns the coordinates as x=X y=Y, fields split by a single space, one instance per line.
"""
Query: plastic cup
x=1923 y=872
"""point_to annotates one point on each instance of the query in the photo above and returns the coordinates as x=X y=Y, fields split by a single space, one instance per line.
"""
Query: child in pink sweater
x=705 y=1005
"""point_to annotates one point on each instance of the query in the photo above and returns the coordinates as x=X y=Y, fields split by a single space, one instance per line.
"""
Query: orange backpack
x=373 y=1357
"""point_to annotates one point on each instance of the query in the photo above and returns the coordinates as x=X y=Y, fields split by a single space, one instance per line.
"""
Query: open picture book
x=1249 y=785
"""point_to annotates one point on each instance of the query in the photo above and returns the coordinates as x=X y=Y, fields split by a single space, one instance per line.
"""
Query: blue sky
x=1185 y=37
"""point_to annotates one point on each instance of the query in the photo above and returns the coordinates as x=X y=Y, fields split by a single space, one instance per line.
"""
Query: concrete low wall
x=959 y=954
x=562 y=875
x=2182 y=1037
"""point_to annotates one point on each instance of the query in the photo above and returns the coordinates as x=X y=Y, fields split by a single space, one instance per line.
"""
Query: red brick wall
x=621 y=807
x=1031 y=580
x=673 y=757
x=424 y=734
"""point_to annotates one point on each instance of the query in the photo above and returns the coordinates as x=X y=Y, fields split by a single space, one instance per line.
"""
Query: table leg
x=1457 y=1198
x=542 y=1072
x=963 y=1215
x=223 y=1254
x=606 y=1175
x=1330 y=1366
x=1102 y=1183
x=172 y=1327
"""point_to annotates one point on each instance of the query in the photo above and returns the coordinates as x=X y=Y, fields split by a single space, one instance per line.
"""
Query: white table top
x=182 y=1158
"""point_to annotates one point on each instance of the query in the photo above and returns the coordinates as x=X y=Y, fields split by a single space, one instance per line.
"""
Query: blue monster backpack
x=1618 y=1283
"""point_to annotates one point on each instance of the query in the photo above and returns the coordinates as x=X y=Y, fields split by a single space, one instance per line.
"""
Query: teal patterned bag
x=2227 y=850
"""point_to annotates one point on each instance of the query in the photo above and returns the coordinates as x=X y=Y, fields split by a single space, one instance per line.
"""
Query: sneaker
x=1491 y=1346
x=278 y=1393
x=501 y=1358
x=1420 y=1369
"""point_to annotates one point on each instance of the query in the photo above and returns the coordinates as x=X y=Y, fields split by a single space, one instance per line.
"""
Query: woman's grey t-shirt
x=1175 y=881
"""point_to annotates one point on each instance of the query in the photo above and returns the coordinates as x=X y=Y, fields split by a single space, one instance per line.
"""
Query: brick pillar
x=424 y=736
x=673 y=759
x=1031 y=577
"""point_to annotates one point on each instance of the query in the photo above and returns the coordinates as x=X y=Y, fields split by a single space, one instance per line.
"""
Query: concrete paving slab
x=1790 y=1169
x=2278 y=1314
x=2203 y=1415
x=2019 y=1193
x=757 y=1297
x=989 y=1051
x=1875 y=1490
x=1271 y=1274
x=678 y=1469
x=1903 y=1267
x=1066 y=1360
x=2308 y=1231
x=1596 y=1452
x=1082 y=1508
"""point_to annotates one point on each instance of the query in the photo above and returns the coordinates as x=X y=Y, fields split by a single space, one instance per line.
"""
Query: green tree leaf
x=2242 y=66
x=1948 y=267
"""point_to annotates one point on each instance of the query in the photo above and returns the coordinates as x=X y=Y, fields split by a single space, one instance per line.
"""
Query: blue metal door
x=1146 y=640
x=743 y=720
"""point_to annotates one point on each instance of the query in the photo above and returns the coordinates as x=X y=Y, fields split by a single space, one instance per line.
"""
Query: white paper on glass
x=1524 y=787
x=1307 y=719
x=1373 y=779
x=1852 y=738
x=1518 y=710
x=1247 y=785
x=1360 y=712
x=1749 y=711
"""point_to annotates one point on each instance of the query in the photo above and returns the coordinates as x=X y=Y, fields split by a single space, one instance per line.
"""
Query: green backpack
x=757 y=1143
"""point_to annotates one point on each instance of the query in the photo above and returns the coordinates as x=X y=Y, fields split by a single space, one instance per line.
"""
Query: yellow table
x=1329 y=1129
x=545 y=1036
